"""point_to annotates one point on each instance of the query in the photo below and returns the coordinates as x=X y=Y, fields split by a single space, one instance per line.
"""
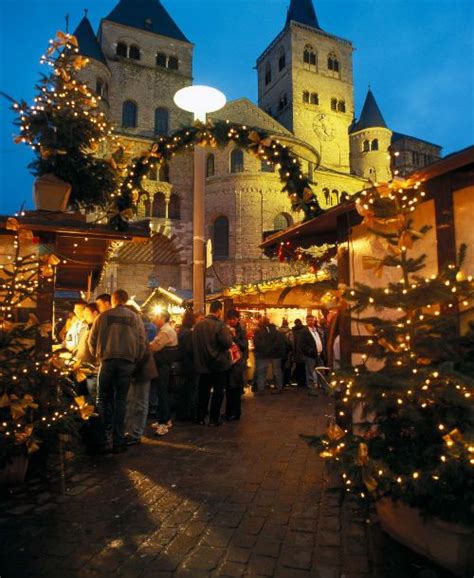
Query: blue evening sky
x=417 y=56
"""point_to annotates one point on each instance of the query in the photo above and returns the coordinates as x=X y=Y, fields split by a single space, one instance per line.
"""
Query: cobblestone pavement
x=247 y=499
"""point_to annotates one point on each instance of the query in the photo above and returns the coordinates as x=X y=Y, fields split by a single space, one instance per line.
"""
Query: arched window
x=333 y=103
x=375 y=144
x=341 y=106
x=121 y=49
x=326 y=194
x=267 y=167
x=333 y=62
x=220 y=238
x=173 y=63
x=153 y=173
x=366 y=146
x=174 y=208
x=161 y=59
x=281 y=59
x=164 y=174
x=159 y=206
x=236 y=161
x=309 y=55
x=129 y=114
x=268 y=73
x=282 y=221
x=147 y=206
x=162 y=119
x=305 y=96
x=210 y=166
x=334 y=197
x=314 y=98
x=134 y=52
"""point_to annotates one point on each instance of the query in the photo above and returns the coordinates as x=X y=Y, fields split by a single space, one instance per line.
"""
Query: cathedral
x=139 y=58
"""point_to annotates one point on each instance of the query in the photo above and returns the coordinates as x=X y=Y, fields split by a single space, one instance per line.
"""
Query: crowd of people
x=132 y=361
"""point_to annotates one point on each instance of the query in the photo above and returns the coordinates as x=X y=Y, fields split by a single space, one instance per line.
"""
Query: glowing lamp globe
x=199 y=100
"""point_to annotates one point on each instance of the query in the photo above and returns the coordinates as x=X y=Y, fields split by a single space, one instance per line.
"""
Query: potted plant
x=412 y=448
x=70 y=137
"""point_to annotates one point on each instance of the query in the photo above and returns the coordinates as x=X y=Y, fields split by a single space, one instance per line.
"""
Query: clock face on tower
x=322 y=128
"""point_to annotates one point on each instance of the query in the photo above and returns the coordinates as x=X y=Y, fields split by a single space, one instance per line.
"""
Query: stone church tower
x=370 y=142
x=305 y=82
x=139 y=59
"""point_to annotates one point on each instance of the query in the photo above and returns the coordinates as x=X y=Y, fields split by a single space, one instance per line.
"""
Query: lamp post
x=199 y=100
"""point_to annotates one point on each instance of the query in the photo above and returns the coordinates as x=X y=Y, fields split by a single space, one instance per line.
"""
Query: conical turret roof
x=370 y=117
x=88 y=44
x=302 y=11
x=148 y=15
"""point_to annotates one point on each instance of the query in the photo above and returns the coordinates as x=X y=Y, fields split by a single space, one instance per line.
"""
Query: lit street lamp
x=199 y=100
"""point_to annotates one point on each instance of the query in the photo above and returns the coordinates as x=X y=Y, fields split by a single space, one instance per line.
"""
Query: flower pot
x=14 y=471
x=448 y=545
x=51 y=193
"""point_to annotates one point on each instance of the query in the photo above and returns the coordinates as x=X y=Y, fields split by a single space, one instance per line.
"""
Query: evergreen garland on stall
x=415 y=439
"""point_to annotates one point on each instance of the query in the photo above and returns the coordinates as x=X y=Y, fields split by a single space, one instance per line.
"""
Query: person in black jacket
x=235 y=382
x=270 y=349
x=187 y=395
x=211 y=343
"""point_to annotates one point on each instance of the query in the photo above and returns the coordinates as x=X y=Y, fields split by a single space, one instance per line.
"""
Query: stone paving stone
x=325 y=572
x=296 y=558
x=205 y=558
x=264 y=547
x=231 y=570
x=243 y=540
x=237 y=554
x=261 y=566
x=217 y=537
x=252 y=525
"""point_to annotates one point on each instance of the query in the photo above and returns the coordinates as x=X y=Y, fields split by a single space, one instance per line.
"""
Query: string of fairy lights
x=385 y=210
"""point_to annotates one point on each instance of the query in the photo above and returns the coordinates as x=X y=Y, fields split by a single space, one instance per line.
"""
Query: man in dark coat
x=235 y=382
x=211 y=342
x=270 y=349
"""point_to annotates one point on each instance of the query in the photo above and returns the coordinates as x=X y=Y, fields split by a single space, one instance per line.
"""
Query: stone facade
x=413 y=153
x=307 y=102
x=370 y=153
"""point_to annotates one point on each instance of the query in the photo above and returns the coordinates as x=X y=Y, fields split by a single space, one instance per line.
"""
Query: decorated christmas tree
x=411 y=396
x=37 y=393
x=69 y=133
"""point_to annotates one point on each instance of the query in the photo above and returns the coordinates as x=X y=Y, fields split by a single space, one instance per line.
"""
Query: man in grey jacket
x=117 y=339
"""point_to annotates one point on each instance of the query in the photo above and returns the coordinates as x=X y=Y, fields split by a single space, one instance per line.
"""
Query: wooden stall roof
x=293 y=291
x=82 y=247
x=323 y=228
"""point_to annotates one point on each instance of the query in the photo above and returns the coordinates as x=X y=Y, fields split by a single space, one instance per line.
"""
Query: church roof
x=302 y=11
x=148 y=15
x=88 y=44
x=370 y=117
x=244 y=111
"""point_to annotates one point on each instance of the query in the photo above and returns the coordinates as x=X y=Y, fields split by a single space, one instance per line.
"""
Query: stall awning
x=82 y=247
x=295 y=291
